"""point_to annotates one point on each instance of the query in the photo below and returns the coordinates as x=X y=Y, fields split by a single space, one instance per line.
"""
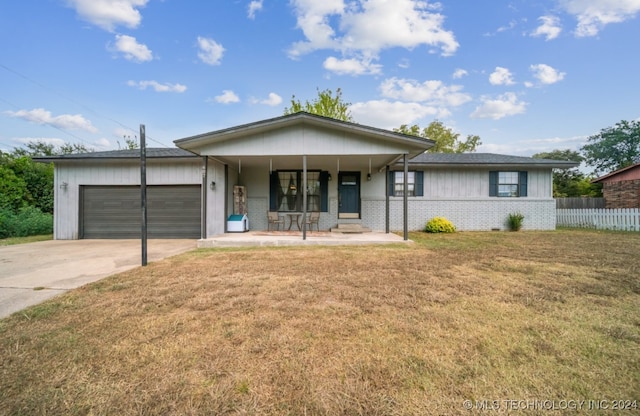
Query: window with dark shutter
x=415 y=183
x=285 y=190
x=508 y=184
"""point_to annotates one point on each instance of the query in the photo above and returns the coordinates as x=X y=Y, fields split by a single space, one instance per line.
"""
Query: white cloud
x=48 y=140
x=431 y=92
x=530 y=147
x=351 y=66
x=131 y=49
x=501 y=76
x=108 y=14
x=102 y=144
x=273 y=100
x=508 y=27
x=550 y=27
x=254 y=6
x=459 y=73
x=362 y=29
x=63 y=121
x=404 y=63
x=546 y=74
x=158 y=87
x=227 y=97
x=211 y=52
x=594 y=15
x=504 y=105
x=392 y=114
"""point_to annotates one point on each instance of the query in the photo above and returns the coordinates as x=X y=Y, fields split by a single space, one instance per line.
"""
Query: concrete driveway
x=54 y=267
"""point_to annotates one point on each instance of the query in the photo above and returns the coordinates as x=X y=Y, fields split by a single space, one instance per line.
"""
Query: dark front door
x=349 y=195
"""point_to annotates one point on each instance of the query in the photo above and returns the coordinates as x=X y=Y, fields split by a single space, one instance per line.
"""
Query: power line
x=50 y=125
x=89 y=109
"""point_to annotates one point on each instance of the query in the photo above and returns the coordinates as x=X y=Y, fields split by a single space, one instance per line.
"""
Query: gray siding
x=97 y=172
x=299 y=140
x=474 y=183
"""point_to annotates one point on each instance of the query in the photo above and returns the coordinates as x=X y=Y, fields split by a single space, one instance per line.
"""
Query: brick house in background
x=621 y=189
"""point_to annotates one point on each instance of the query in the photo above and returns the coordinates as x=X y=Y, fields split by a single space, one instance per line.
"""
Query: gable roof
x=152 y=153
x=625 y=173
x=297 y=119
x=487 y=160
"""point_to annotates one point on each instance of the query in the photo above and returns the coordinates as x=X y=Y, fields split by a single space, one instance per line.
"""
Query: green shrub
x=439 y=225
x=27 y=221
x=514 y=221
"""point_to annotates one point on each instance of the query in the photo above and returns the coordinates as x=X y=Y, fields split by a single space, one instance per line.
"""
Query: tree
x=569 y=182
x=12 y=190
x=129 y=143
x=41 y=148
x=614 y=147
x=27 y=183
x=447 y=141
x=326 y=104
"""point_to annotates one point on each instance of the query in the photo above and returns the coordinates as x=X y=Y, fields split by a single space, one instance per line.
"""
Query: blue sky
x=526 y=76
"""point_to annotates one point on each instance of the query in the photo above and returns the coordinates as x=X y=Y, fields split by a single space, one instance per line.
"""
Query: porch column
x=405 y=199
x=386 y=206
x=304 y=197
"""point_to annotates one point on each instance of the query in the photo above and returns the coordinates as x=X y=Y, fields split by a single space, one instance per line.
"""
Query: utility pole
x=143 y=192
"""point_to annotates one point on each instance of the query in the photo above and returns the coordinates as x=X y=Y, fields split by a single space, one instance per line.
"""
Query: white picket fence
x=601 y=219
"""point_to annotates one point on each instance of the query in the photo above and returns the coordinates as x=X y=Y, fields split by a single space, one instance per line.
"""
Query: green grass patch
x=25 y=240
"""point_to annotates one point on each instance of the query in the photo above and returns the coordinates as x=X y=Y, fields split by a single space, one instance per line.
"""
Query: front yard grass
x=24 y=240
x=534 y=317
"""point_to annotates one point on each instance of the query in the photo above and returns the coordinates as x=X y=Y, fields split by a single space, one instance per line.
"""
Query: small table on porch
x=291 y=216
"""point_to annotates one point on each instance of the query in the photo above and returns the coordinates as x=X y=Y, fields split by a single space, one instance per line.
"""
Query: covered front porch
x=297 y=164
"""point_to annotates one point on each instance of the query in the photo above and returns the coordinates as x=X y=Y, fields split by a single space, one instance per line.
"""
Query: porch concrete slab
x=284 y=238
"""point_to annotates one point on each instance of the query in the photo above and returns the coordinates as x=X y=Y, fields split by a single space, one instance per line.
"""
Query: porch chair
x=274 y=219
x=313 y=217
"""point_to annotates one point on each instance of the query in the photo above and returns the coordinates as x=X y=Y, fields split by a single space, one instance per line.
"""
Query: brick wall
x=622 y=194
x=467 y=215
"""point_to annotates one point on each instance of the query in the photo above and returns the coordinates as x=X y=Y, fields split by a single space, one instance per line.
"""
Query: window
x=511 y=184
x=414 y=182
x=286 y=191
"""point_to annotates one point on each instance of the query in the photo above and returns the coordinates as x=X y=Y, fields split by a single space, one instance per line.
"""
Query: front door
x=349 y=195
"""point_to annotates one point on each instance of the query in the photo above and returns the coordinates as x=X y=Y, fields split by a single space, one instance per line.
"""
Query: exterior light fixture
x=64 y=185
x=212 y=185
x=369 y=174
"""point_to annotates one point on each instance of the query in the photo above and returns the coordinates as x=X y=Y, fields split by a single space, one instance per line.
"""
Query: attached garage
x=114 y=211
x=97 y=194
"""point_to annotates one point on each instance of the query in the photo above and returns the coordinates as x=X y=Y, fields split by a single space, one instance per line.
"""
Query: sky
x=527 y=76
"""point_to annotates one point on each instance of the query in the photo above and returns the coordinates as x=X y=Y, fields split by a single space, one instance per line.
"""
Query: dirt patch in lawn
x=485 y=317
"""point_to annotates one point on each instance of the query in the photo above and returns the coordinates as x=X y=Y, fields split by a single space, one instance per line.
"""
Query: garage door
x=114 y=212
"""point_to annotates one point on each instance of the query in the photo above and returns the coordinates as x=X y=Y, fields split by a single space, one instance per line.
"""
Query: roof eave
x=496 y=165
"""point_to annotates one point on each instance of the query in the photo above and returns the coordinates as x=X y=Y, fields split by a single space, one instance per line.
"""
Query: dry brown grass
x=339 y=330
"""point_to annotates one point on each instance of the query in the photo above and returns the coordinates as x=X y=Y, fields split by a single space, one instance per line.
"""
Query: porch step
x=350 y=229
